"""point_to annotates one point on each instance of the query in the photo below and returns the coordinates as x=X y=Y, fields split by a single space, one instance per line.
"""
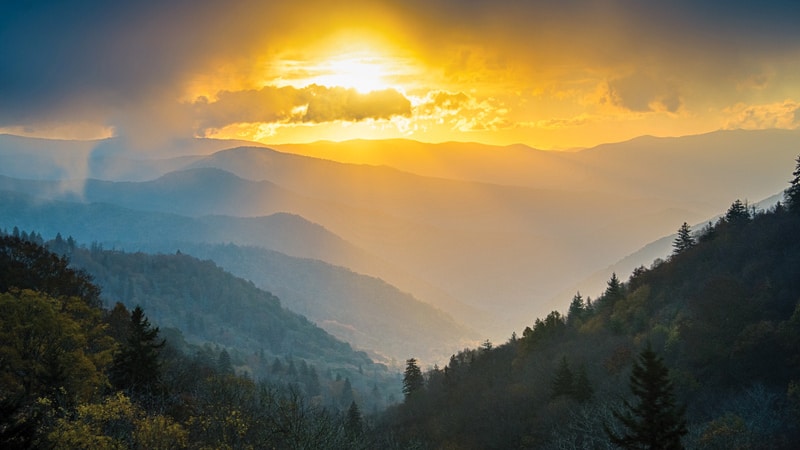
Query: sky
x=549 y=74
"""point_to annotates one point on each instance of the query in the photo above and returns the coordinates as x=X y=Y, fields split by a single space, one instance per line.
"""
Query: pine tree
x=684 y=240
x=737 y=213
x=413 y=380
x=563 y=381
x=354 y=424
x=655 y=421
x=136 y=366
x=577 y=310
x=792 y=194
x=224 y=364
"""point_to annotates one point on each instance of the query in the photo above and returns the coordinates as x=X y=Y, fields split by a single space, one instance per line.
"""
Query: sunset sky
x=549 y=74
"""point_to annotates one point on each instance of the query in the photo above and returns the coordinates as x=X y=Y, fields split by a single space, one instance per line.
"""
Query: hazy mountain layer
x=367 y=312
x=364 y=311
x=535 y=223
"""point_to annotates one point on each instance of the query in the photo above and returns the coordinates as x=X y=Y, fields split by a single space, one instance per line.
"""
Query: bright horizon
x=550 y=76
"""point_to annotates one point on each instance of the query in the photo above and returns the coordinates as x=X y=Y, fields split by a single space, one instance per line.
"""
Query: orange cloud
x=784 y=114
x=272 y=104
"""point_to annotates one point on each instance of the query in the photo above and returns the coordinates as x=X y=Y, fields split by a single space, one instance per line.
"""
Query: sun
x=362 y=73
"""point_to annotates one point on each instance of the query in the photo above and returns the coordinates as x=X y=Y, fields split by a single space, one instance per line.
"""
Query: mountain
x=442 y=232
x=211 y=306
x=532 y=223
x=722 y=318
x=709 y=168
x=365 y=311
x=652 y=253
x=105 y=159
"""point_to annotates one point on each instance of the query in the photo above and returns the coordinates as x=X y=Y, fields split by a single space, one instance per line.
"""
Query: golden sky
x=552 y=75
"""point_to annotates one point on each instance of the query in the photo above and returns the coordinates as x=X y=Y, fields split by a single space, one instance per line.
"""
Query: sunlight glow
x=364 y=72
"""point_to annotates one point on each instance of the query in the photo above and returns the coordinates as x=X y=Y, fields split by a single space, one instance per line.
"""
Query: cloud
x=559 y=123
x=330 y=104
x=272 y=104
x=130 y=66
x=644 y=93
x=784 y=114
x=462 y=112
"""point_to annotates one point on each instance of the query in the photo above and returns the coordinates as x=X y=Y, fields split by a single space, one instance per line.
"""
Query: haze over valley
x=490 y=241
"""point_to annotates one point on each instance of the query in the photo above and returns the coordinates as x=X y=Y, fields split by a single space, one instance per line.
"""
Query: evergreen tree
x=413 y=380
x=613 y=293
x=655 y=421
x=737 y=213
x=684 y=240
x=563 y=382
x=224 y=364
x=577 y=310
x=136 y=366
x=792 y=194
x=581 y=388
x=354 y=423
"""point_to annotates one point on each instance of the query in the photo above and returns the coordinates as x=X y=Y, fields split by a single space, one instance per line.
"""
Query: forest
x=699 y=350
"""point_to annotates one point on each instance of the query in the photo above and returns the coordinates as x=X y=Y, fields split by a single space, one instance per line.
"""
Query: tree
x=684 y=240
x=136 y=366
x=655 y=421
x=413 y=380
x=577 y=310
x=563 y=381
x=27 y=265
x=792 y=194
x=353 y=423
x=737 y=213
x=224 y=364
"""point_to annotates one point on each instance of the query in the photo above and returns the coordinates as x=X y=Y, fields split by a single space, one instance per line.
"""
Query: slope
x=369 y=313
x=364 y=311
x=724 y=314
x=211 y=306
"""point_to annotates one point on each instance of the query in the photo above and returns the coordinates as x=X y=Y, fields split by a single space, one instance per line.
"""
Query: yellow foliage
x=40 y=335
x=117 y=424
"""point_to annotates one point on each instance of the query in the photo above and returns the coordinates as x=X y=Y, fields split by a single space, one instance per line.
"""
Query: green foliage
x=684 y=241
x=28 y=265
x=654 y=421
x=578 y=311
x=725 y=318
x=55 y=362
x=413 y=381
x=136 y=366
x=792 y=194
x=563 y=383
x=738 y=213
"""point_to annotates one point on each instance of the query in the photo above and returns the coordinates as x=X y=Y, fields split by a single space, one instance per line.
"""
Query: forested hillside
x=722 y=313
x=365 y=311
x=76 y=375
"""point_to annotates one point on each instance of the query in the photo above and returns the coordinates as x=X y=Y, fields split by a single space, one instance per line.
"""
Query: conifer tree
x=413 y=380
x=737 y=213
x=655 y=421
x=577 y=310
x=792 y=194
x=684 y=240
x=354 y=424
x=563 y=381
x=136 y=366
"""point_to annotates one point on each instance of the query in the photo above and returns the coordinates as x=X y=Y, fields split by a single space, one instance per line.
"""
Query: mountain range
x=489 y=235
